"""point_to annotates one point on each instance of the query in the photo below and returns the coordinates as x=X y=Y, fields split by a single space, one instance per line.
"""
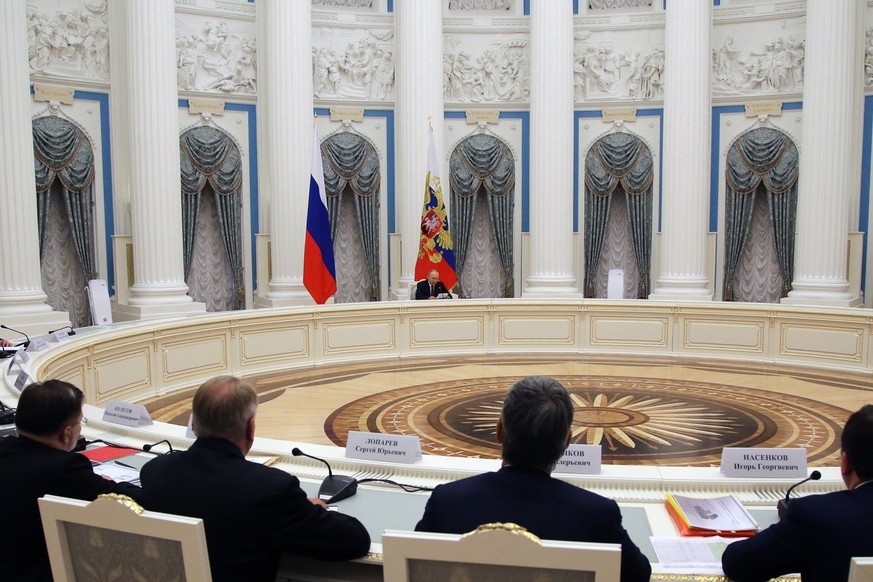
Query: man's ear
x=250 y=430
x=65 y=435
x=845 y=464
x=500 y=430
x=569 y=436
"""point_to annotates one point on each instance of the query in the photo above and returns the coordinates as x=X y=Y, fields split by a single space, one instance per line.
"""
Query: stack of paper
x=723 y=516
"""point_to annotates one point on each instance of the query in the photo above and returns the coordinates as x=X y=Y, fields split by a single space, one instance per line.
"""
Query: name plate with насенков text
x=755 y=462
x=374 y=446
x=126 y=414
x=580 y=459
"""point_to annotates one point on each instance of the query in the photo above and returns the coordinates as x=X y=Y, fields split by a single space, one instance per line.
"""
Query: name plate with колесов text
x=126 y=414
x=374 y=446
x=761 y=462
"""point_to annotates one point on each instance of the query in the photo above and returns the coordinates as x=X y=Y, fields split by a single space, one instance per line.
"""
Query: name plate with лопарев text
x=581 y=459
x=126 y=414
x=374 y=446
x=755 y=462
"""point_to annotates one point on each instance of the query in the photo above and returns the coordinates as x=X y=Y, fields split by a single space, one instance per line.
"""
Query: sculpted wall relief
x=612 y=4
x=213 y=56
x=71 y=42
x=603 y=71
x=498 y=72
x=480 y=4
x=349 y=3
x=353 y=64
x=774 y=68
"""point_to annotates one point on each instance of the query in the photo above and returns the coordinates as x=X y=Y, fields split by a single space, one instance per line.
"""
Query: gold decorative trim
x=123 y=500
x=129 y=252
x=507 y=527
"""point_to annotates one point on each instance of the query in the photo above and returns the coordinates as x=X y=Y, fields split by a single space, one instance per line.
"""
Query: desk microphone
x=782 y=505
x=148 y=448
x=25 y=344
x=334 y=487
x=70 y=327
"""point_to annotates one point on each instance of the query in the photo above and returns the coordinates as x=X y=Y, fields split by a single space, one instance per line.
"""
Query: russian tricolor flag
x=319 y=272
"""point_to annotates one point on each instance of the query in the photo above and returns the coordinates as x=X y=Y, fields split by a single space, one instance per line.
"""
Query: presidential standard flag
x=435 y=250
x=319 y=273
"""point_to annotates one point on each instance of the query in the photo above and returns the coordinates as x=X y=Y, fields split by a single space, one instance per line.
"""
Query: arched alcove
x=618 y=214
x=482 y=185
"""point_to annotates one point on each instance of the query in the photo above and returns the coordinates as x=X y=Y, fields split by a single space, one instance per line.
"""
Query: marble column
x=152 y=139
x=687 y=141
x=22 y=300
x=551 y=272
x=419 y=97
x=829 y=168
x=285 y=142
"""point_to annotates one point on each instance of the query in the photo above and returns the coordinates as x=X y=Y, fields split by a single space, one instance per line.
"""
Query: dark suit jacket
x=422 y=289
x=817 y=537
x=547 y=507
x=29 y=470
x=251 y=513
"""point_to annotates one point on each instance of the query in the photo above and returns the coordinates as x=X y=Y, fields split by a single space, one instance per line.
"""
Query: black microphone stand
x=334 y=487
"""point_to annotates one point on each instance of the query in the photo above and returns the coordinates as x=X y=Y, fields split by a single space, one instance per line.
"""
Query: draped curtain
x=210 y=155
x=618 y=159
x=483 y=161
x=768 y=156
x=61 y=150
x=350 y=161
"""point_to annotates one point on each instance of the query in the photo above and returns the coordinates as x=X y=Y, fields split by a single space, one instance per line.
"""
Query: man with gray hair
x=534 y=430
x=252 y=513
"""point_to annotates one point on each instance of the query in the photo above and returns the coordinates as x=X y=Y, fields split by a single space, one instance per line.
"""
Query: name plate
x=126 y=414
x=759 y=108
x=43 y=92
x=613 y=114
x=482 y=116
x=374 y=446
x=582 y=459
x=21 y=356
x=346 y=113
x=60 y=336
x=37 y=345
x=210 y=106
x=22 y=380
x=755 y=462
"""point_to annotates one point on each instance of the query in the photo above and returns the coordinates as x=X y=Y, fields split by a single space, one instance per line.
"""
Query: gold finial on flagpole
x=430 y=121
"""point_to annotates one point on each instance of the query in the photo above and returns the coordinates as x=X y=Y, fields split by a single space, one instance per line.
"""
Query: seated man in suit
x=819 y=534
x=252 y=513
x=431 y=287
x=49 y=420
x=534 y=429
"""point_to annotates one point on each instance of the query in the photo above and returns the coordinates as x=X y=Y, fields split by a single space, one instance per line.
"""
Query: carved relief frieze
x=480 y=4
x=600 y=71
x=69 y=43
x=353 y=68
x=216 y=57
x=776 y=67
x=868 y=58
x=613 y=4
x=240 y=7
x=500 y=72
x=344 y=3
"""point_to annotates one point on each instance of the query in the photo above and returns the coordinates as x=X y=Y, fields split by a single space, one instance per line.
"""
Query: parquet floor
x=641 y=410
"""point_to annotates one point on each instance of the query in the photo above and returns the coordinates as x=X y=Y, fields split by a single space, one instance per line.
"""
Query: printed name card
x=59 y=336
x=22 y=380
x=373 y=446
x=37 y=345
x=755 y=462
x=126 y=414
x=582 y=459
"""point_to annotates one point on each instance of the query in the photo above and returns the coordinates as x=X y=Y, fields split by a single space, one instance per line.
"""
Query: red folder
x=687 y=530
x=103 y=454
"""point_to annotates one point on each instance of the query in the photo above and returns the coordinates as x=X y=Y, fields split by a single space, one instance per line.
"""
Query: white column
x=687 y=130
x=285 y=141
x=22 y=300
x=829 y=169
x=419 y=97
x=551 y=272
x=152 y=139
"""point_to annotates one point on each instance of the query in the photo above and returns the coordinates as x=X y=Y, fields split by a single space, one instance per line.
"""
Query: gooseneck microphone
x=334 y=487
x=26 y=343
x=782 y=505
x=69 y=327
x=148 y=448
